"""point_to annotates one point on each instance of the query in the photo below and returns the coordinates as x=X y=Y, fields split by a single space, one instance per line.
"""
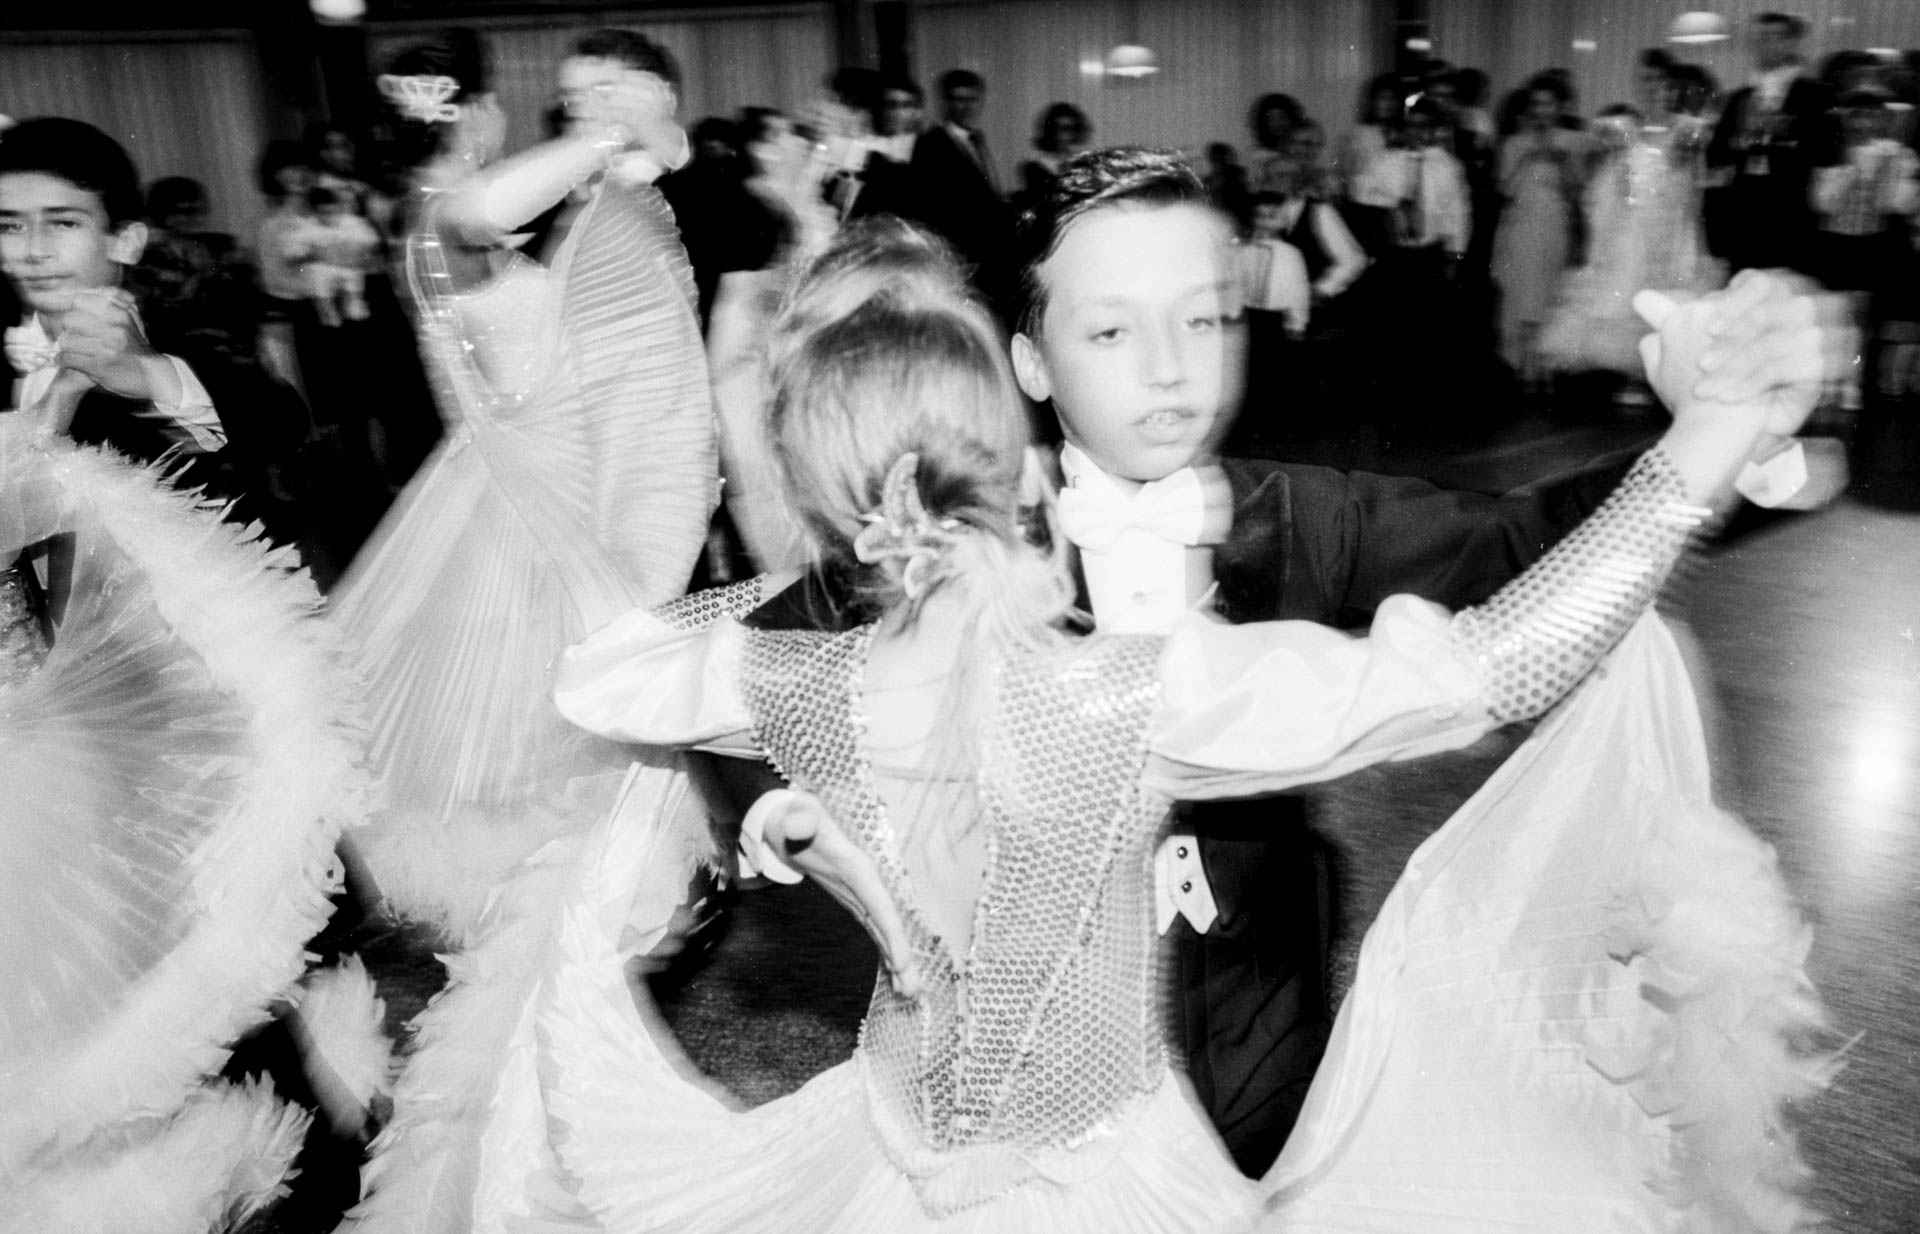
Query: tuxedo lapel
x=1251 y=565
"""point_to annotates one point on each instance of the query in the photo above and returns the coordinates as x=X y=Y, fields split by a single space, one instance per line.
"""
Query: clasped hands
x=640 y=107
x=1742 y=369
x=103 y=344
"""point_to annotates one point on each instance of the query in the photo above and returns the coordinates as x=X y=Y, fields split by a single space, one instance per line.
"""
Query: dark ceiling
x=121 y=15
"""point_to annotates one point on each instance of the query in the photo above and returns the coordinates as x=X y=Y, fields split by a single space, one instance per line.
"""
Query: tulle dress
x=1644 y=230
x=575 y=481
x=1573 y=1012
x=181 y=753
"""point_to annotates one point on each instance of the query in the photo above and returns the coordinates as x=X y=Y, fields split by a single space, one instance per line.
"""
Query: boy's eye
x=1108 y=334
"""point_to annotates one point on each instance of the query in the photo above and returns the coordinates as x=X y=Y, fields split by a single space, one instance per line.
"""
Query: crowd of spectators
x=1441 y=225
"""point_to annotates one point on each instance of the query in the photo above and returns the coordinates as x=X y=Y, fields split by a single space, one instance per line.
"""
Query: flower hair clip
x=422 y=97
x=902 y=530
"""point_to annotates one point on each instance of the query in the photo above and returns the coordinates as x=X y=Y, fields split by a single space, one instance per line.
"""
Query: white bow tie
x=28 y=348
x=1191 y=506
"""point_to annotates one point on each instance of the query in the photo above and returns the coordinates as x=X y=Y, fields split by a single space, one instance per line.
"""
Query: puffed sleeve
x=1256 y=708
x=640 y=679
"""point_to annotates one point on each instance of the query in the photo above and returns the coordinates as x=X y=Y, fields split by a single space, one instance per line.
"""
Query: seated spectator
x=339 y=248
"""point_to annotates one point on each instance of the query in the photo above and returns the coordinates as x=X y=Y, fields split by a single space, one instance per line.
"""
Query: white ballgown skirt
x=1578 y=1010
x=173 y=779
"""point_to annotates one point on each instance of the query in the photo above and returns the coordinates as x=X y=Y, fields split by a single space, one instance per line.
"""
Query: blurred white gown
x=576 y=480
x=1576 y=1011
x=179 y=759
x=1644 y=230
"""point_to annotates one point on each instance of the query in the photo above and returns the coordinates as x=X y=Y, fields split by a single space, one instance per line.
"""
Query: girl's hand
x=800 y=830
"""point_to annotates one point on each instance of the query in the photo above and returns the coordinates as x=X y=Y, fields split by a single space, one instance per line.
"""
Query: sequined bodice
x=1043 y=1033
x=23 y=644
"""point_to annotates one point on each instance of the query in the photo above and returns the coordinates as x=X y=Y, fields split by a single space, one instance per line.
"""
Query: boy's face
x=55 y=240
x=1267 y=218
x=1141 y=348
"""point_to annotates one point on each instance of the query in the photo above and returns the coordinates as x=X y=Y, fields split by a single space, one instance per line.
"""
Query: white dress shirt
x=1273 y=279
x=1143 y=583
x=1443 y=209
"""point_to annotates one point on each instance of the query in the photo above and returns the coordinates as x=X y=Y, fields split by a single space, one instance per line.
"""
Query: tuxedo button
x=1181 y=852
x=1187 y=886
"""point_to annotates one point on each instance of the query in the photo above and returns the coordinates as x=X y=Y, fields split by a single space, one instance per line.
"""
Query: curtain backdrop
x=1216 y=57
x=181 y=108
x=1600 y=40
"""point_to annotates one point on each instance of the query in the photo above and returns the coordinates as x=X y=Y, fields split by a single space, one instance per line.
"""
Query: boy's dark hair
x=80 y=154
x=1267 y=197
x=1096 y=180
x=631 y=48
x=961 y=79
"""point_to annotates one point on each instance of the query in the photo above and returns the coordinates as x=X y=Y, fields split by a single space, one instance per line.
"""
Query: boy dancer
x=69 y=228
x=1129 y=329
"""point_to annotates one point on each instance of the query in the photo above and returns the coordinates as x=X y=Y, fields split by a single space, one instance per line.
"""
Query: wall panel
x=1216 y=57
x=1512 y=39
x=181 y=108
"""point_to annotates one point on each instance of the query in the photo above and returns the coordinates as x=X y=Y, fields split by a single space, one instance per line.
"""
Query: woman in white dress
x=1644 y=228
x=1521 y=1050
x=576 y=478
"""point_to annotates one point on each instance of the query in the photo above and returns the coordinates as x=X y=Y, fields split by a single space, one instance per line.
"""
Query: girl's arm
x=1256 y=708
x=669 y=676
x=635 y=113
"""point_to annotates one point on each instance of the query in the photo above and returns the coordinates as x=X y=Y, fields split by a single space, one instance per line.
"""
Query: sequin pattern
x=1052 y=1023
x=1540 y=634
x=22 y=645
x=701 y=609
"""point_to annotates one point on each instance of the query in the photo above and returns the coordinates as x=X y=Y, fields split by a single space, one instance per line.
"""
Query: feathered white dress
x=1577 y=1011
x=180 y=754
x=576 y=480
x=1644 y=230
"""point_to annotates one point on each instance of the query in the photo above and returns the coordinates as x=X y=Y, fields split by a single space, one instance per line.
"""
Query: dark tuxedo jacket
x=1763 y=216
x=1313 y=544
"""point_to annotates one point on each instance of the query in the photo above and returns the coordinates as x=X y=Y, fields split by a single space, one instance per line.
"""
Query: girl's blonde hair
x=881 y=351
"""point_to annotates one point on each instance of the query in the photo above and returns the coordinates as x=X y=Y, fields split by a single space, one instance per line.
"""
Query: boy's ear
x=1030 y=370
x=128 y=243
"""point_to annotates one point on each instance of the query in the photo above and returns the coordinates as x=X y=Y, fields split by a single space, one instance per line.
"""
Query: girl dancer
x=576 y=480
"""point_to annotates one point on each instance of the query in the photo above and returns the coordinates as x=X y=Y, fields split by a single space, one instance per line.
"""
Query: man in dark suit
x=1774 y=132
x=956 y=190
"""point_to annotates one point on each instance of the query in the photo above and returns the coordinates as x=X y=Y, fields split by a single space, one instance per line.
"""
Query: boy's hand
x=101 y=338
